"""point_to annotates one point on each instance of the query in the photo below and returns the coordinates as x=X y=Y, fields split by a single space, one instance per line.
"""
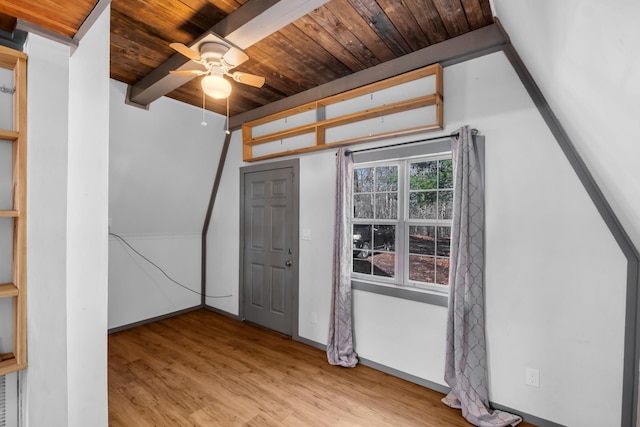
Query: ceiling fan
x=217 y=59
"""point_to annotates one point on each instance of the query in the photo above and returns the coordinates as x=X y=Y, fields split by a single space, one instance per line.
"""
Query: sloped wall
x=162 y=165
x=584 y=57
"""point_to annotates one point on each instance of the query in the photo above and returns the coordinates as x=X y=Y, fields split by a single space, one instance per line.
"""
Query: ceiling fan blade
x=234 y=56
x=187 y=72
x=248 y=79
x=180 y=48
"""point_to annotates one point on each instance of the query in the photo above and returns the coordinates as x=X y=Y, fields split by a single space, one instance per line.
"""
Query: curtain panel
x=340 y=350
x=466 y=354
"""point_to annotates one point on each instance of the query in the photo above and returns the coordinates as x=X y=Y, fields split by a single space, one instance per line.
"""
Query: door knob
x=288 y=263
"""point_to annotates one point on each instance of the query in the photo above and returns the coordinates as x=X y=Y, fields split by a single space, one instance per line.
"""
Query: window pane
x=444 y=241
x=384 y=237
x=362 y=266
x=423 y=175
x=384 y=264
x=387 y=206
x=421 y=268
x=363 y=206
x=423 y=205
x=422 y=240
x=445 y=204
x=445 y=175
x=361 y=240
x=387 y=178
x=442 y=271
x=373 y=247
x=443 y=251
x=363 y=180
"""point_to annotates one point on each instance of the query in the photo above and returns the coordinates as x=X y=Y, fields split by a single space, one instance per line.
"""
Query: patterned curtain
x=466 y=364
x=340 y=343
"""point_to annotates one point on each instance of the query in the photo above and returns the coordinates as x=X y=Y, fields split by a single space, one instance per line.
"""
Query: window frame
x=431 y=294
x=402 y=223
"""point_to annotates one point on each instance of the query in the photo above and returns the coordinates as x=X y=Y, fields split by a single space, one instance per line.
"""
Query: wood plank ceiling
x=337 y=39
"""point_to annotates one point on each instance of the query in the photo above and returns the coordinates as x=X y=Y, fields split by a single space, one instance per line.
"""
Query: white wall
x=139 y=291
x=162 y=167
x=65 y=382
x=584 y=57
x=317 y=209
x=87 y=210
x=44 y=383
x=549 y=256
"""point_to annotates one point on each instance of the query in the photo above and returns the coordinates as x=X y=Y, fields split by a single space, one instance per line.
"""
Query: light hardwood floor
x=204 y=369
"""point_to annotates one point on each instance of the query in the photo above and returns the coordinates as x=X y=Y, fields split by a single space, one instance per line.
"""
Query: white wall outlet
x=532 y=377
x=314 y=317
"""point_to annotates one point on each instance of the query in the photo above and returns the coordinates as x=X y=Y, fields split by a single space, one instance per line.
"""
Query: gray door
x=268 y=219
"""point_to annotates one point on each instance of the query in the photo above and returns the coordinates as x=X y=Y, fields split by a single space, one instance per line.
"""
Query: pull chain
x=203 y=122
x=227 y=131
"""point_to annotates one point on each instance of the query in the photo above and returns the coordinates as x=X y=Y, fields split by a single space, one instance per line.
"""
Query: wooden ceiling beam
x=252 y=22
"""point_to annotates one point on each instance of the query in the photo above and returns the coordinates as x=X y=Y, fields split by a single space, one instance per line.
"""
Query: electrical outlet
x=532 y=377
x=314 y=317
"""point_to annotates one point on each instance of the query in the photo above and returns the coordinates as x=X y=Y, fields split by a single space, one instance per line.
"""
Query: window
x=402 y=222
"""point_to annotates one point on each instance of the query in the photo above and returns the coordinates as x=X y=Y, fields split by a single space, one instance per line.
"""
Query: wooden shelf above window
x=319 y=126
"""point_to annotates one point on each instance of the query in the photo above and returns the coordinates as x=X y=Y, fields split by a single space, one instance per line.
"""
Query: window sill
x=411 y=294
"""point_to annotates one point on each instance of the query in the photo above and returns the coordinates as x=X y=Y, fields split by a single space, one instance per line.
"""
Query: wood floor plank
x=204 y=369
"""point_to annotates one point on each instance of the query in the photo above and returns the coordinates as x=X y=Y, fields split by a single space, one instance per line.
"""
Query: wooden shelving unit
x=17 y=289
x=320 y=126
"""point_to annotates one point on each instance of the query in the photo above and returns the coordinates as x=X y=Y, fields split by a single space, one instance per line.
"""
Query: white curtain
x=340 y=343
x=466 y=364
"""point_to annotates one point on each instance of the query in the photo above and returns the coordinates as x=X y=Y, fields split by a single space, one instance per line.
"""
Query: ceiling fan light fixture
x=216 y=86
